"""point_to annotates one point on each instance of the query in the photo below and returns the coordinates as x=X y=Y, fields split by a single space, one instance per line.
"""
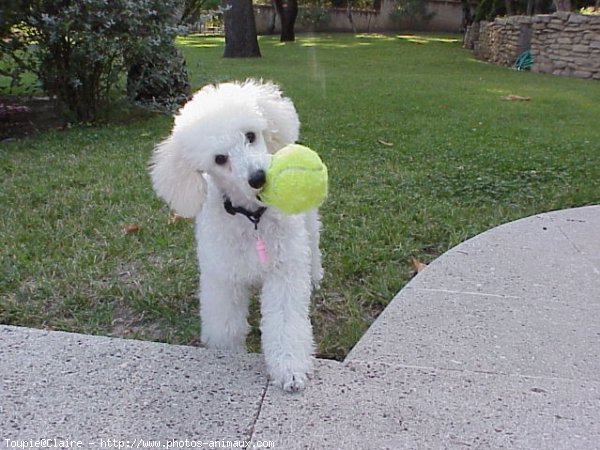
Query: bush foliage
x=81 y=50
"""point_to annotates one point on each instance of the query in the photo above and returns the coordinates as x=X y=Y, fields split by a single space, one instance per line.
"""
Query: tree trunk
x=562 y=5
x=287 y=16
x=510 y=10
x=273 y=20
x=467 y=16
x=350 y=18
x=240 y=29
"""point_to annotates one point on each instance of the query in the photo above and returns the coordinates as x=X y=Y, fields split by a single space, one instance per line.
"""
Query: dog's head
x=227 y=132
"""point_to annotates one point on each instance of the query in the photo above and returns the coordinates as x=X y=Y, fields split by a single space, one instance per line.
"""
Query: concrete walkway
x=495 y=345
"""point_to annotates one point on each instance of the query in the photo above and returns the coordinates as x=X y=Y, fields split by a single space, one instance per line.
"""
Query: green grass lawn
x=422 y=154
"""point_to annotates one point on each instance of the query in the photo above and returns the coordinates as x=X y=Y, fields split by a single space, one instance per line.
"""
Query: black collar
x=252 y=216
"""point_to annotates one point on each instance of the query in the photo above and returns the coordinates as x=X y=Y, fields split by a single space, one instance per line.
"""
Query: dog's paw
x=293 y=383
x=224 y=345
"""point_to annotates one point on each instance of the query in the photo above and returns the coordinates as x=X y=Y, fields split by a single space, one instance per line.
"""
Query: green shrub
x=312 y=17
x=14 y=60
x=415 y=11
x=83 y=48
x=158 y=79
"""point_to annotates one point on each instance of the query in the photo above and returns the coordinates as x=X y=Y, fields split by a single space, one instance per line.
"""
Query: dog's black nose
x=257 y=179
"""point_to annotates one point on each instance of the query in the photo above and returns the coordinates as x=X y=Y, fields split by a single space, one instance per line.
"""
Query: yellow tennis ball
x=296 y=180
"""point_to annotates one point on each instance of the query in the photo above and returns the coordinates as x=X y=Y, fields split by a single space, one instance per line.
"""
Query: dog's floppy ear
x=175 y=181
x=283 y=122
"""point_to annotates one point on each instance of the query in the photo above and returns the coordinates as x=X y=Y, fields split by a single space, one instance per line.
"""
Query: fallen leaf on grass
x=174 y=218
x=515 y=98
x=382 y=142
x=131 y=228
x=416 y=266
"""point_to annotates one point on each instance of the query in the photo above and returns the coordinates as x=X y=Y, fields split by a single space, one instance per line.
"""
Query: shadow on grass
x=330 y=41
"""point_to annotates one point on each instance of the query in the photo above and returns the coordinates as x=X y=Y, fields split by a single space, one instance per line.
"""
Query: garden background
x=425 y=147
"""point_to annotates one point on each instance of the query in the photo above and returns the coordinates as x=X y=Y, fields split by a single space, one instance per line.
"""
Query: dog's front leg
x=223 y=312
x=287 y=338
x=313 y=226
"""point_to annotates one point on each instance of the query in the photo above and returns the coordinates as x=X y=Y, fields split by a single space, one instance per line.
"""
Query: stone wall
x=562 y=43
x=567 y=44
x=500 y=41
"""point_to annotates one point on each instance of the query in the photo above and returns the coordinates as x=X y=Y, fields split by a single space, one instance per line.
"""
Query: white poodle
x=212 y=167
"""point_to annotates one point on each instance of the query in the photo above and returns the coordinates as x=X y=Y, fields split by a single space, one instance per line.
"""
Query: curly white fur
x=245 y=123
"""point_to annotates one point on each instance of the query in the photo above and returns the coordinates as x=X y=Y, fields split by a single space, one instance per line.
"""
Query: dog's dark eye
x=221 y=159
x=250 y=137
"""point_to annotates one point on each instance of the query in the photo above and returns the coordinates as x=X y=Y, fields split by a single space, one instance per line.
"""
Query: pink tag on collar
x=261 y=250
